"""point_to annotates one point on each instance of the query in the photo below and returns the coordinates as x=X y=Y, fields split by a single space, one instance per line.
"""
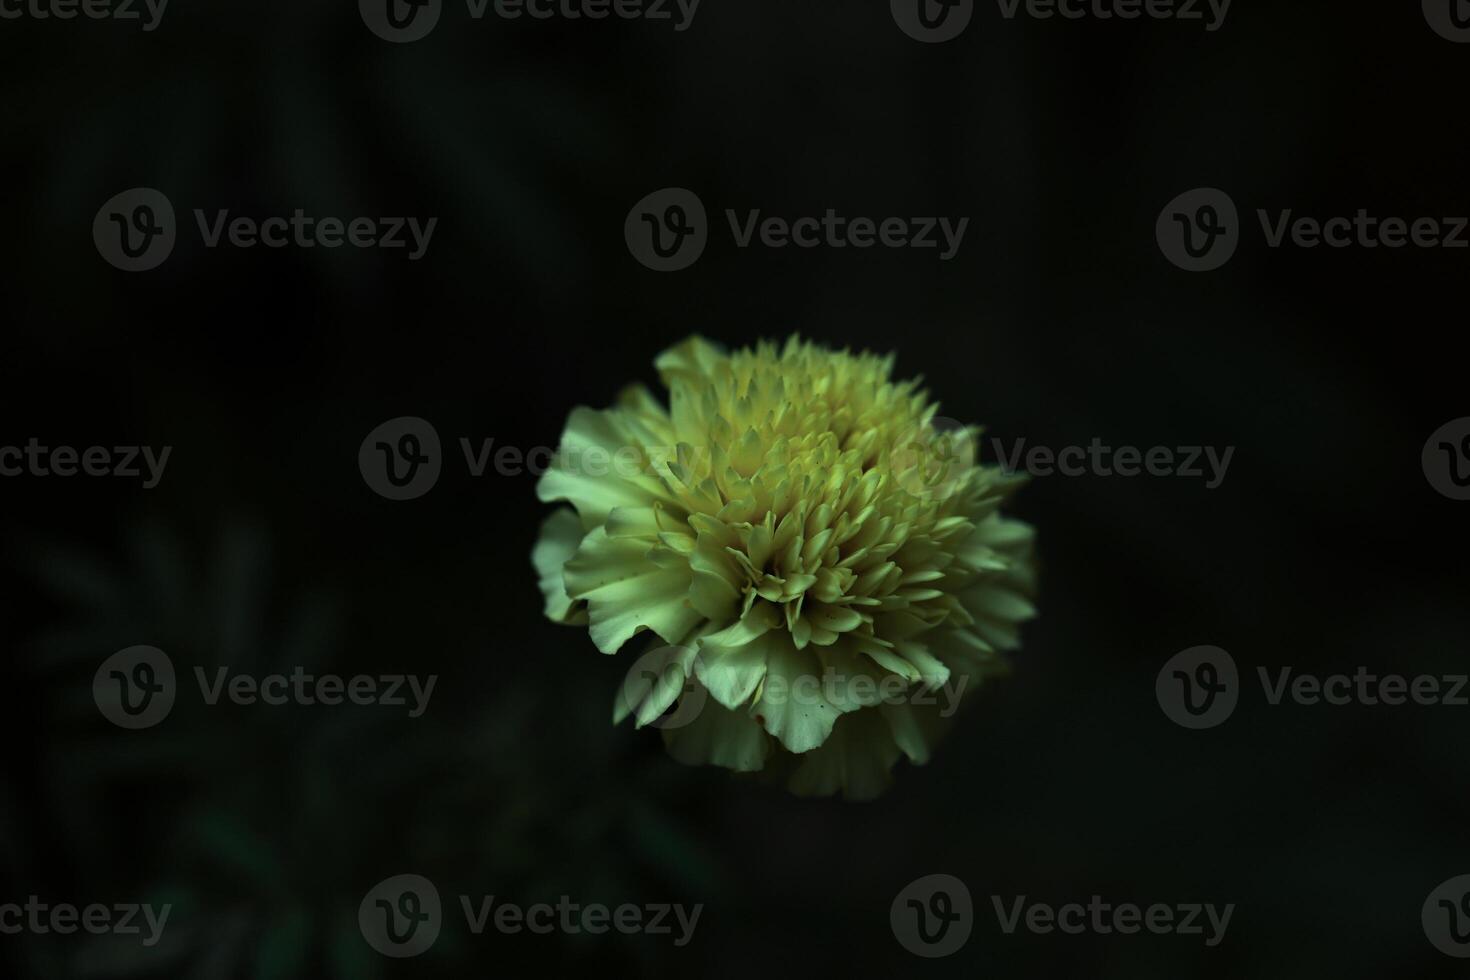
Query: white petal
x=626 y=592
x=560 y=535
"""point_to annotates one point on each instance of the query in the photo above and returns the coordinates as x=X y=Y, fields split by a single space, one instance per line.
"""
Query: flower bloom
x=818 y=559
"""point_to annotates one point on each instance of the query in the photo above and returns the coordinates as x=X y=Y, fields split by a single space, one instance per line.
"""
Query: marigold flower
x=815 y=552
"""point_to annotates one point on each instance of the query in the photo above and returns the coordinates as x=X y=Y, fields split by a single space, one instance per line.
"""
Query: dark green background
x=1059 y=321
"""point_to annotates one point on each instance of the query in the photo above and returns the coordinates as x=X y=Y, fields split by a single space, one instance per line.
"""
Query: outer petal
x=732 y=662
x=693 y=360
x=855 y=761
x=968 y=656
x=589 y=473
x=916 y=728
x=663 y=674
x=732 y=674
x=626 y=591
x=791 y=705
x=720 y=737
x=560 y=535
x=998 y=602
x=998 y=610
x=854 y=682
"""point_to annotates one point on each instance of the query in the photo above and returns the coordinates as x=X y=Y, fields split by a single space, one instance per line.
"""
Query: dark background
x=1059 y=321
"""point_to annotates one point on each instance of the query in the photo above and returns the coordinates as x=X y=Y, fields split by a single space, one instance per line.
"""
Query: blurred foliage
x=264 y=826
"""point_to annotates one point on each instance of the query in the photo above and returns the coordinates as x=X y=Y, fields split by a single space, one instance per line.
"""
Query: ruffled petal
x=653 y=685
x=597 y=468
x=856 y=761
x=792 y=705
x=720 y=737
x=561 y=533
x=625 y=592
